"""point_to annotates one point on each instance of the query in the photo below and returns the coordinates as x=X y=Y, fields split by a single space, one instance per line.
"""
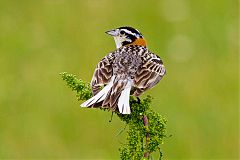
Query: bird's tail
x=115 y=94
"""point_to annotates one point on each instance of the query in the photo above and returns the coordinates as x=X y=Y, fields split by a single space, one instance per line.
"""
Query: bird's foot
x=138 y=100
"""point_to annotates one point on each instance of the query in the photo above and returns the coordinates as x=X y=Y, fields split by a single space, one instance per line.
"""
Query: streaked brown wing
x=149 y=74
x=102 y=73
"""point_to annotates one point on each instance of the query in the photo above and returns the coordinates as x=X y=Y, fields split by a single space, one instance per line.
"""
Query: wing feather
x=103 y=73
x=149 y=74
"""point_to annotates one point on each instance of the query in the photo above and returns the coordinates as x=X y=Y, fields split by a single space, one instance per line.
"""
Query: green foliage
x=82 y=88
x=141 y=138
x=135 y=146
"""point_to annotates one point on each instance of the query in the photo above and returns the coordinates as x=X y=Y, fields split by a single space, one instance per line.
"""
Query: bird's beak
x=112 y=32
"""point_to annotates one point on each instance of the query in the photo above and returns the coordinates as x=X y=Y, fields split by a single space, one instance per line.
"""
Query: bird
x=131 y=69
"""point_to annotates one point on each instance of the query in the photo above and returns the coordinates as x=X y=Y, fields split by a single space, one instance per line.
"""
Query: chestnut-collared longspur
x=130 y=69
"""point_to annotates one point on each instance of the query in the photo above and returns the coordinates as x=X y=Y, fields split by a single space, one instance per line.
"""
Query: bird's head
x=127 y=36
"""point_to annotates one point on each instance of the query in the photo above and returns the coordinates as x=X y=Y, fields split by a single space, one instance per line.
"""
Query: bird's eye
x=122 y=32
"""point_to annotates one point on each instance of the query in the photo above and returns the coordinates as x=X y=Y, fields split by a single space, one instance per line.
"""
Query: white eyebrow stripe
x=129 y=32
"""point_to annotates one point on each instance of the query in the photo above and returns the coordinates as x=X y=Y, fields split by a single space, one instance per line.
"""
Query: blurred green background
x=41 y=118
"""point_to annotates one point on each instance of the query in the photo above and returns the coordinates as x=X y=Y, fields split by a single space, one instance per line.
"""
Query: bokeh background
x=41 y=118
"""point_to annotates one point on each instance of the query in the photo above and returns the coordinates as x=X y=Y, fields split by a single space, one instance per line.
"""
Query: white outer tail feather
x=100 y=96
x=123 y=101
